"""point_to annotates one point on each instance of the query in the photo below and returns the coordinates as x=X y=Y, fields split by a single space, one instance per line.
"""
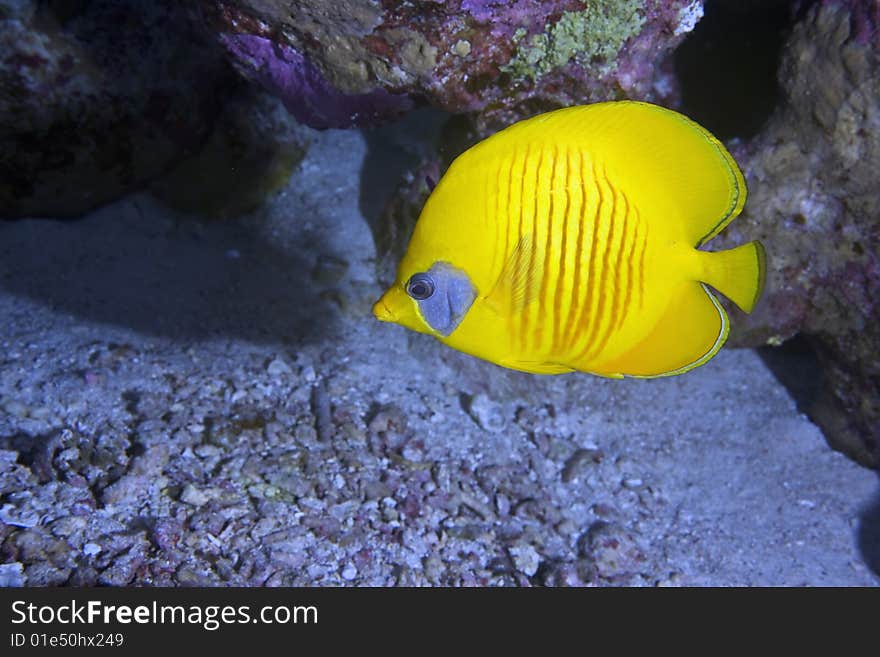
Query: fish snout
x=382 y=311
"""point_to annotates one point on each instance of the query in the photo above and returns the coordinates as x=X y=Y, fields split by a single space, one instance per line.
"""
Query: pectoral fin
x=520 y=280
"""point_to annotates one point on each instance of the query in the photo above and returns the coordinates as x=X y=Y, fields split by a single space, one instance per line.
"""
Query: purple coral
x=504 y=60
x=504 y=18
x=864 y=19
x=303 y=89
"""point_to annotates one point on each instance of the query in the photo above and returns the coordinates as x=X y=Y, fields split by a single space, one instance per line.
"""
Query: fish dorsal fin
x=667 y=164
x=520 y=280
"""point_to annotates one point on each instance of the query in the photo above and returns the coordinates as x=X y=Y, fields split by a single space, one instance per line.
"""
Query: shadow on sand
x=131 y=264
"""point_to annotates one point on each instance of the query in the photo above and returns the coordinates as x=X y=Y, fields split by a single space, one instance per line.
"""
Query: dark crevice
x=727 y=66
x=35 y=453
x=796 y=366
x=869 y=534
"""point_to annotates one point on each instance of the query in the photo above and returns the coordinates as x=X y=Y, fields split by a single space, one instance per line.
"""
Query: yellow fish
x=568 y=241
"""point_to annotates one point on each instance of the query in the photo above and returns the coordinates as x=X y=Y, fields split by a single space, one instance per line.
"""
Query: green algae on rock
x=505 y=60
x=592 y=36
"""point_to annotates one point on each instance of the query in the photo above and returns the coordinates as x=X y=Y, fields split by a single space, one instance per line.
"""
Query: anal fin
x=691 y=331
x=537 y=367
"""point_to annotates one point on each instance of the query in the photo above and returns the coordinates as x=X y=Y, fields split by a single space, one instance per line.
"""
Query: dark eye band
x=420 y=287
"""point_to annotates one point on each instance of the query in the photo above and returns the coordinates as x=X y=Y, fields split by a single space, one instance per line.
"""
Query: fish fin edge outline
x=709 y=355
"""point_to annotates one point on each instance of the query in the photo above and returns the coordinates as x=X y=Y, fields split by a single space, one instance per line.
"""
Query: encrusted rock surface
x=252 y=151
x=352 y=62
x=96 y=98
x=813 y=177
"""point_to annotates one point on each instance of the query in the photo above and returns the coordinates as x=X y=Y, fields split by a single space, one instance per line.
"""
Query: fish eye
x=420 y=287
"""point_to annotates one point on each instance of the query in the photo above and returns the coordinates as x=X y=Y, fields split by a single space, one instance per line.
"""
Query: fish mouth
x=382 y=312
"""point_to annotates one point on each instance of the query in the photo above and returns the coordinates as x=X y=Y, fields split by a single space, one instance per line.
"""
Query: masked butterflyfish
x=569 y=241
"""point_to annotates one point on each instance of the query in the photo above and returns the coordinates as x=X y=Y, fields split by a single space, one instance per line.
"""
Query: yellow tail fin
x=738 y=273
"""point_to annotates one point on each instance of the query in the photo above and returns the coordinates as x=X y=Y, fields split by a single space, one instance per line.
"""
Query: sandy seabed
x=212 y=403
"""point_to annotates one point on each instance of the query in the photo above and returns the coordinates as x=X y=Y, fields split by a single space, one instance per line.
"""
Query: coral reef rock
x=812 y=175
x=96 y=98
x=251 y=153
x=351 y=63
